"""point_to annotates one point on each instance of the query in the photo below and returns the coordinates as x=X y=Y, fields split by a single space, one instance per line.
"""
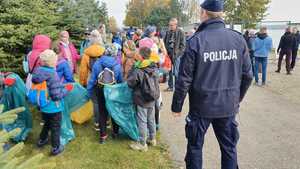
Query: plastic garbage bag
x=77 y=98
x=84 y=114
x=14 y=97
x=119 y=104
x=66 y=131
x=73 y=101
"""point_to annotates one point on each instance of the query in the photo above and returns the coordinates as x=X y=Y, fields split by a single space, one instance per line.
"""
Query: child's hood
x=41 y=42
x=42 y=74
x=108 y=61
x=95 y=51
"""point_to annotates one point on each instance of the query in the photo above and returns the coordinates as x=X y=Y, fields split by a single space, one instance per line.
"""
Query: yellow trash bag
x=84 y=114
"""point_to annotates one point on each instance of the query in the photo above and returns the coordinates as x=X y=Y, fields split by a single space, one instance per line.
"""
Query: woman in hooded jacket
x=40 y=44
x=68 y=50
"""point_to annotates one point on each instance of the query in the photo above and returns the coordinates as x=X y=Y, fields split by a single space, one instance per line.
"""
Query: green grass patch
x=85 y=152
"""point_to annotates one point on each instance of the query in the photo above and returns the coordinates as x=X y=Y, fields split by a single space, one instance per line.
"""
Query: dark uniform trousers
x=226 y=131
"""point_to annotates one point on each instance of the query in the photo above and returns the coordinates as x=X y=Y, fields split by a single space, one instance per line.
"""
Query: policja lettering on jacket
x=220 y=55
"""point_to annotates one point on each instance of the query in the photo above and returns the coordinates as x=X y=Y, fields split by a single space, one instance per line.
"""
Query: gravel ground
x=269 y=127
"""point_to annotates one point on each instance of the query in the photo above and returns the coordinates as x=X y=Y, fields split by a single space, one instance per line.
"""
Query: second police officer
x=216 y=73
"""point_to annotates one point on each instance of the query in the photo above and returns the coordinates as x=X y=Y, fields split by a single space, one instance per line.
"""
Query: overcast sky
x=280 y=10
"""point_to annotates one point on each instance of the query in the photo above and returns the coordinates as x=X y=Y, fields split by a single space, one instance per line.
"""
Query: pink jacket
x=74 y=53
x=39 y=44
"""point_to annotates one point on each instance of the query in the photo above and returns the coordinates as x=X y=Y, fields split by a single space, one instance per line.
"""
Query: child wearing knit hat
x=51 y=112
x=48 y=58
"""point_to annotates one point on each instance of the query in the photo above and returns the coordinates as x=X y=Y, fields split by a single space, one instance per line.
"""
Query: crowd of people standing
x=260 y=46
x=140 y=57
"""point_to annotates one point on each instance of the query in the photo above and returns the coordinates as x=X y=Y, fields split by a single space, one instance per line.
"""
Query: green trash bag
x=70 y=105
x=13 y=97
x=119 y=104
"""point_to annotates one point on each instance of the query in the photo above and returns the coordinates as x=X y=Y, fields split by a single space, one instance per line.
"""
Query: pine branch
x=1 y=108
x=29 y=163
x=10 y=154
x=5 y=136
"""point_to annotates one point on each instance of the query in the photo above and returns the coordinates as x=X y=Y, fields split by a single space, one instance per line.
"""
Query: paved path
x=269 y=128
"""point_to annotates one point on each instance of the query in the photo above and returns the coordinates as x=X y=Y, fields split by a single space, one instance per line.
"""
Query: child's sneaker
x=57 y=150
x=96 y=126
x=139 y=147
x=42 y=143
x=103 y=138
x=152 y=143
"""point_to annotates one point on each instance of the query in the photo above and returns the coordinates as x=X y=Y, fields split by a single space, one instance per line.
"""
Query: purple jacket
x=55 y=87
x=64 y=71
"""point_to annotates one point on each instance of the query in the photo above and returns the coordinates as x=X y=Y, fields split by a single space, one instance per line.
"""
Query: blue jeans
x=173 y=74
x=226 y=131
x=264 y=62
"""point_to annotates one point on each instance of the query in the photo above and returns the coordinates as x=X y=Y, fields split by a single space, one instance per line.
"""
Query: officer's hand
x=176 y=114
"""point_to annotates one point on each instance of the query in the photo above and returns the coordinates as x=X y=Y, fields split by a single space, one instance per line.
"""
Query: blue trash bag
x=119 y=104
x=66 y=131
x=77 y=98
x=73 y=101
x=14 y=97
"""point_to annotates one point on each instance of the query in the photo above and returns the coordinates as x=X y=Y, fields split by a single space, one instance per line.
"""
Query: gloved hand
x=9 y=81
x=69 y=87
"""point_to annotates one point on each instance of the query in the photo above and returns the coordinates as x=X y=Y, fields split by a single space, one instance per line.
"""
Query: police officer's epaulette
x=235 y=31
x=191 y=37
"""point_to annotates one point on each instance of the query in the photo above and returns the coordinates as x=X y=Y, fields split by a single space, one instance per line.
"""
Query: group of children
x=135 y=61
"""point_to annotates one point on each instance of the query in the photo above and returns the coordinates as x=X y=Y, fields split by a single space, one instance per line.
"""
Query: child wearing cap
x=51 y=113
x=143 y=79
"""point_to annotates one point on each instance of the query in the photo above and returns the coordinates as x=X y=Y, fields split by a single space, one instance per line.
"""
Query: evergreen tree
x=77 y=15
x=20 y=20
x=8 y=159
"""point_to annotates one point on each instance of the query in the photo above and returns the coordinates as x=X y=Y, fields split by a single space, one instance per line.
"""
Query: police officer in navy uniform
x=216 y=73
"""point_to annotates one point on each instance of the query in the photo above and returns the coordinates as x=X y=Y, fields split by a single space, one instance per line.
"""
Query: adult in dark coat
x=216 y=72
x=296 y=47
x=285 y=48
x=175 y=44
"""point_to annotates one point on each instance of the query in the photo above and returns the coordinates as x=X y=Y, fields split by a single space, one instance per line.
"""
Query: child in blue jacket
x=51 y=113
x=108 y=61
x=63 y=68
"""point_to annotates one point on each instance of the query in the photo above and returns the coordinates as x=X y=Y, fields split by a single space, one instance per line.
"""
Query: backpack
x=38 y=94
x=26 y=63
x=2 y=86
x=106 y=77
x=28 y=83
x=150 y=87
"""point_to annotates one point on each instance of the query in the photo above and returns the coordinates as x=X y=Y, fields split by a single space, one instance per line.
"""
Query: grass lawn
x=85 y=152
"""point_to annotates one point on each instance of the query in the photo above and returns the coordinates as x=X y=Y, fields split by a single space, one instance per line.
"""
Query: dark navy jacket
x=215 y=70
